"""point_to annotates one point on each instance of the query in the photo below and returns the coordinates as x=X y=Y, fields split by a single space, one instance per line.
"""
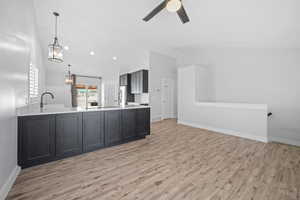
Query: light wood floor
x=175 y=162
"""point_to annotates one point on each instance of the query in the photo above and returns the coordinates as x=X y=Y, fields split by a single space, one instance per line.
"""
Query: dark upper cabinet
x=113 y=134
x=36 y=140
x=145 y=81
x=124 y=80
x=133 y=83
x=139 y=82
x=143 y=121
x=68 y=134
x=93 y=131
x=128 y=124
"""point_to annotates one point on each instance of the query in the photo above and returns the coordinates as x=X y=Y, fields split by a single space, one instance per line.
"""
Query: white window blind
x=33 y=82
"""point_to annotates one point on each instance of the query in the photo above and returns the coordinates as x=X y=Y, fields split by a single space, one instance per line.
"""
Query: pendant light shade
x=55 y=50
x=69 y=78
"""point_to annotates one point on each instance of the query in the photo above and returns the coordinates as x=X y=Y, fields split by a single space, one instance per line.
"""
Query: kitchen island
x=57 y=132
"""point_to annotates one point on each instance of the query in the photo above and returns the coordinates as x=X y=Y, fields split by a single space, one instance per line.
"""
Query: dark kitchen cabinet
x=113 y=134
x=129 y=124
x=139 y=82
x=124 y=80
x=143 y=121
x=45 y=138
x=133 y=83
x=36 y=140
x=68 y=134
x=93 y=131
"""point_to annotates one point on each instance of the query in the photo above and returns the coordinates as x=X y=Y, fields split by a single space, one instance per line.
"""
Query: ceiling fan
x=171 y=6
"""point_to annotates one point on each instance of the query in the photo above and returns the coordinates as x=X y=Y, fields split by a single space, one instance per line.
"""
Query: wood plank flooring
x=175 y=162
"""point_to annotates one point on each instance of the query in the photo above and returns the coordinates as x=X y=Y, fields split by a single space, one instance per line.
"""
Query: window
x=33 y=82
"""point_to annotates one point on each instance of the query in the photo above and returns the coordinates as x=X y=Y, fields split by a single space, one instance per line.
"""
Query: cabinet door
x=123 y=80
x=134 y=83
x=93 y=131
x=145 y=82
x=128 y=124
x=68 y=134
x=113 y=133
x=36 y=137
x=120 y=81
x=138 y=82
x=143 y=121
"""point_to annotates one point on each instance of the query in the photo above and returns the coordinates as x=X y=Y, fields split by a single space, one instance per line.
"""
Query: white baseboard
x=285 y=140
x=156 y=118
x=9 y=182
x=226 y=131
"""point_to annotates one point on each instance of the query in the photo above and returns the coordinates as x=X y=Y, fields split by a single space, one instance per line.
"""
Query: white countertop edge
x=53 y=112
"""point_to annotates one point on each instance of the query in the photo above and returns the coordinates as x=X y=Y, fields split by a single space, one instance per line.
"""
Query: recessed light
x=114 y=58
x=66 y=48
x=92 y=53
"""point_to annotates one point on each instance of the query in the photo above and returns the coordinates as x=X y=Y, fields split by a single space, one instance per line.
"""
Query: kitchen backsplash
x=142 y=98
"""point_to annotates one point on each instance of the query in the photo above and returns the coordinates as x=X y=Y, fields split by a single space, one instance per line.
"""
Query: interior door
x=167 y=98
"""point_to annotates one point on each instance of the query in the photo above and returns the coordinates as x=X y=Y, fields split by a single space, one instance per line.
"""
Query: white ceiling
x=112 y=26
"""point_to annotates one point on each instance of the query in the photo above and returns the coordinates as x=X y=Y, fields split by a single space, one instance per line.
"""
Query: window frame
x=33 y=84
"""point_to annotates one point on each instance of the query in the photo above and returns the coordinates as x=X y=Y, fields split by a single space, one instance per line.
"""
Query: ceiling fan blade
x=154 y=12
x=182 y=15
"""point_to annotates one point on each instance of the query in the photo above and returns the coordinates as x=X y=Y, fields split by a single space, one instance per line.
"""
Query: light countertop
x=60 y=109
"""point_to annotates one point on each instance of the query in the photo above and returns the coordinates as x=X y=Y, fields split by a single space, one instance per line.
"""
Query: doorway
x=167 y=98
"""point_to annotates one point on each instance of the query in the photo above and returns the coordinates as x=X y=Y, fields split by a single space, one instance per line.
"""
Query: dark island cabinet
x=45 y=138
x=113 y=134
x=129 y=124
x=36 y=143
x=68 y=134
x=93 y=131
x=143 y=121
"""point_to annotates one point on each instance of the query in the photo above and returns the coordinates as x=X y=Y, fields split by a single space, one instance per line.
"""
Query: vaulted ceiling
x=112 y=26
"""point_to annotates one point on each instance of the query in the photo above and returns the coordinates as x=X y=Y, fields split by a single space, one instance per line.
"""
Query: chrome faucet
x=42 y=98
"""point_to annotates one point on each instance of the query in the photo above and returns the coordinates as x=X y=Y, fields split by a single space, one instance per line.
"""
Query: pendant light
x=69 y=78
x=55 y=50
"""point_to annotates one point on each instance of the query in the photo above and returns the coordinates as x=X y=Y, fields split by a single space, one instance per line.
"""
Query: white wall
x=204 y=84
x=243 y=120
x=266 y=76
x=161 y=66
x=19 y=47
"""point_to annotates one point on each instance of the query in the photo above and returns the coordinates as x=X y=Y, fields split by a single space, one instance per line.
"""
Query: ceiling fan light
x=174 y=5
